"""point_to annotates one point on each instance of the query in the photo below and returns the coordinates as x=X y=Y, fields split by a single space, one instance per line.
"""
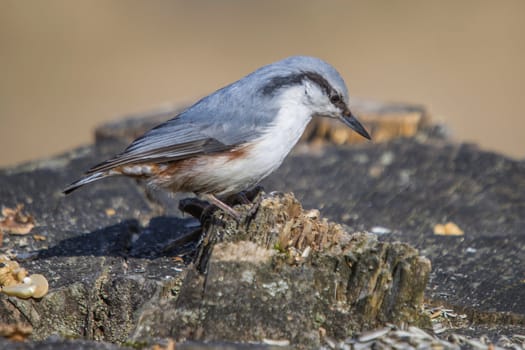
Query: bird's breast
x=246 y=165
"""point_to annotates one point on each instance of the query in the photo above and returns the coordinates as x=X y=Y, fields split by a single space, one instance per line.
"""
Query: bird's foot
x=200 y=209
x=256 y=203
x=248 y=197
x=225 y=207
x=204 y=209
x=243 y=197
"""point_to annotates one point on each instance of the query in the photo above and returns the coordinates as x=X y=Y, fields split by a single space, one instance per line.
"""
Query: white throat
x=289 y=123
x=278 y=139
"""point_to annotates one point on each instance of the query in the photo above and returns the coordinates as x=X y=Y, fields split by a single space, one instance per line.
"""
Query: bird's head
x=320 y=87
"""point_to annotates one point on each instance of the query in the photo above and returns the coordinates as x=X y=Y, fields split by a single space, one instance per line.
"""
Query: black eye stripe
x=321 y=82
x=279 y=82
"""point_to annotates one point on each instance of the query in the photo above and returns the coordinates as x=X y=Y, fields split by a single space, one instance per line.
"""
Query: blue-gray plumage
x=233 y=138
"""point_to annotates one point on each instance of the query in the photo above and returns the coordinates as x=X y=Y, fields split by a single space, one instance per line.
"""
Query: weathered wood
x=284 y=273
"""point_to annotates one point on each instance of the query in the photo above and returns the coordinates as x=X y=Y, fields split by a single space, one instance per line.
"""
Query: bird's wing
x=195 y=131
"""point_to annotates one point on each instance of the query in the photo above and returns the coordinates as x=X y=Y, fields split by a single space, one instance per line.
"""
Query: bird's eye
x=335 y=99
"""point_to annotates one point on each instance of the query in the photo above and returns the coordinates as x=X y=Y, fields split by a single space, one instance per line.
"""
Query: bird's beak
x=348 y=118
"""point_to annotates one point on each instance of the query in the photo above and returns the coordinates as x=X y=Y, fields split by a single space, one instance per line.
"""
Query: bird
x=230 y=140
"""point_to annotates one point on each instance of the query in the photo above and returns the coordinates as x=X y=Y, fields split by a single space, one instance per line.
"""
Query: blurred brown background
x=67 y=66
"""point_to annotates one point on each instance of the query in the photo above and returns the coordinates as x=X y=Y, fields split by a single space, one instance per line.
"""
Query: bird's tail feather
x=85 y=180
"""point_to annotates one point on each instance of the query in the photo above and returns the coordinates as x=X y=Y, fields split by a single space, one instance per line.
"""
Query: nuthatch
x=232 y=139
